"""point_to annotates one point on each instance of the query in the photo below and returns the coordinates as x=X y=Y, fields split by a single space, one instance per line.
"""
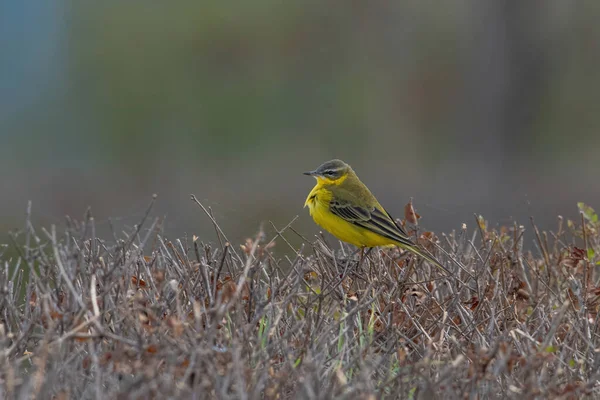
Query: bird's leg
x=363 y=255
x=351 y=256
x=348 y=260
x=347 y=267
x=366 y=256
x=360 y=260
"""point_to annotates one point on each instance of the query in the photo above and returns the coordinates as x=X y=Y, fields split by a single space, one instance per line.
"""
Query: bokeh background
x=467 y=106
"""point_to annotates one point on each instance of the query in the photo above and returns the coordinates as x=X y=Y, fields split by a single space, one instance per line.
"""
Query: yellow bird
x=347 y=209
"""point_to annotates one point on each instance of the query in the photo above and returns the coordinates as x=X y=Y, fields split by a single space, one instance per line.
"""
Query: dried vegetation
x=145 y=316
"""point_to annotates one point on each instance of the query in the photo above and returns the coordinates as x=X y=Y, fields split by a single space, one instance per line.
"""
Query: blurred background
x=473 y=107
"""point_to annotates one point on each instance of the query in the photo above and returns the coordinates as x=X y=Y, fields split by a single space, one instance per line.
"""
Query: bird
x=346 y=208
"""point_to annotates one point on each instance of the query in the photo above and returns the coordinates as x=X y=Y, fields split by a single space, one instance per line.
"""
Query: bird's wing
x=371 y=218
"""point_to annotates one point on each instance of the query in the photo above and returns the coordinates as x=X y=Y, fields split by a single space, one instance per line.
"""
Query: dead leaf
x=152 y=349
x=135 y=281
x=410 y=215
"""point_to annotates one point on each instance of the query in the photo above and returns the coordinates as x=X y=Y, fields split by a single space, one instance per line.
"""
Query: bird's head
x=332 y=172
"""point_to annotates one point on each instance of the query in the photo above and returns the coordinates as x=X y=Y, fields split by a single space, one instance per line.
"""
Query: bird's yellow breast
x=318 y=204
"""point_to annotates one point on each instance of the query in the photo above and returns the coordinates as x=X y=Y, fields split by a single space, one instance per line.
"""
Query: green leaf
x=550 y=349
x=481 y=223
x=590 y=254
x=572 y=363
x=529 y=311
x=588 y=212
x=411 y=393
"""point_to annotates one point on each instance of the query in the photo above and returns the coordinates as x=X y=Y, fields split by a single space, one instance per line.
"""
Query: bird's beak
x=310 y=173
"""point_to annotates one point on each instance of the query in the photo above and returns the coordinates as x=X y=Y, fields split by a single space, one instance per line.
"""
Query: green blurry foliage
x=220 y=78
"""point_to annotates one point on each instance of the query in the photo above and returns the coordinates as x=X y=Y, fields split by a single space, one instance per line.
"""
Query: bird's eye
x=328 y=173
